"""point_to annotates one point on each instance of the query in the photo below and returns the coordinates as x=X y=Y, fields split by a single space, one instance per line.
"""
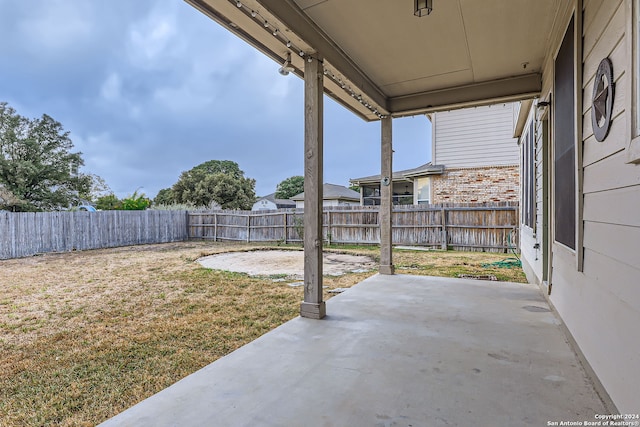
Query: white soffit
x=467 y=52
x=393 y=47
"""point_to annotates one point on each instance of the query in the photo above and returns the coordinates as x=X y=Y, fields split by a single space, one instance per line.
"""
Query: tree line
x=39 y=171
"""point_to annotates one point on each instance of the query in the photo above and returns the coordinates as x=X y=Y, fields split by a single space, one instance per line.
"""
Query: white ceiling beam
x=510 y=89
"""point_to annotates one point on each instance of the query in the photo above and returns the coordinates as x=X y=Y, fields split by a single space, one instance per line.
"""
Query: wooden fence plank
x=27 y=234
x=488 y=228
x=460 y=227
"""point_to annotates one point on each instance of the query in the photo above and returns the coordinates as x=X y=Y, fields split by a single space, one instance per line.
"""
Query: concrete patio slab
x=393 y=351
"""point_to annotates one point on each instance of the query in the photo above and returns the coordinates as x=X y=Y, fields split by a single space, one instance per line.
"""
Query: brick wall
x=477 y=185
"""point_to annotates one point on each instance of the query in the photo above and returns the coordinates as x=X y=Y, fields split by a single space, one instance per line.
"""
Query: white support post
x=313 y=306
x=386 y=194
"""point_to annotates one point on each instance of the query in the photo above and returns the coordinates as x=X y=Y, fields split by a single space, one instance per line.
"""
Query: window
x=423 y=191
x=371 y=196
x=636 y=65
x=529 y=177
x=564 y=143
x=633 y=27
x=402 y=194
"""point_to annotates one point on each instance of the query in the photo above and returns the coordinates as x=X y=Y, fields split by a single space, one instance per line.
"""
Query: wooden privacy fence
x=25 y=234
x=459 y=227
x=480 y=228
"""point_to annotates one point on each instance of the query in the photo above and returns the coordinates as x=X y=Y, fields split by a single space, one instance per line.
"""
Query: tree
x=7 y=198
x=219 y=181
x=108 y=202
x=37 y=165
x=164 y=197
x=98 y=188
x=290 y=187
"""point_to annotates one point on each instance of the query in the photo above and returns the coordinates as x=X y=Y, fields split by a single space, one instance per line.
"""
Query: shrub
x=108 y=203
x=136 y=202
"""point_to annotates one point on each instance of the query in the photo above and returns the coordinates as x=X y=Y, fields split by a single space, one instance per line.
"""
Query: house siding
x=327 y=203
x=531 y=242
x=600 y=305
x=472 y=137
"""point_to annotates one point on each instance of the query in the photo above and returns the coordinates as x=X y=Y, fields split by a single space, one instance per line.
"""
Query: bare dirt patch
x=286 y=263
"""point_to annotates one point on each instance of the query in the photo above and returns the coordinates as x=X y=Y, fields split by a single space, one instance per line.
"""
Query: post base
x=387 y=269
x=313 y=310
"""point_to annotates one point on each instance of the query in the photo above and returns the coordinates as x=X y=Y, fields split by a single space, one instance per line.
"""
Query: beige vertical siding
x=480 y=136
x=601 y=304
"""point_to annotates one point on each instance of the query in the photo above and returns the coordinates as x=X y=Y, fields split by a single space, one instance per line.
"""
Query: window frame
x=577 y=253
x=633 y=102
x=570 y=152
x=417 y=188
x=528 y=177
x=372 y=199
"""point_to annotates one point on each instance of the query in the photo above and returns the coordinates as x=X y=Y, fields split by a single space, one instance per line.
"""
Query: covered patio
x=394 y=351
x=385 y=60
x=402 y=350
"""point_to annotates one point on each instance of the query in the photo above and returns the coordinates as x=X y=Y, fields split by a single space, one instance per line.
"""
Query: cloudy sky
x=151 y=88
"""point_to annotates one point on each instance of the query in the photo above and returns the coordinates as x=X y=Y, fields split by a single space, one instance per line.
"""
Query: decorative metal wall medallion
x=602 y=101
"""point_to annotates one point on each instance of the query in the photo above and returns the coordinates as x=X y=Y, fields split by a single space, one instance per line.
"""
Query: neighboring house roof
x=334 y=192
x=280 y=203
x=426 y=169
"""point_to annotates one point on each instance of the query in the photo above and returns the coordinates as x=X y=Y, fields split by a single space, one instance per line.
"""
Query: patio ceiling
x=380 y=59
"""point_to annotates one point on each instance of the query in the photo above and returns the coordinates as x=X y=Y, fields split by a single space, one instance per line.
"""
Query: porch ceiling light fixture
x=286 y=67
x=422 y=7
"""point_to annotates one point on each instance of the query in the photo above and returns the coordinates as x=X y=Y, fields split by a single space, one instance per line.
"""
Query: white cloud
x=111 y=88
x=155 y=38
x=150 y=88
x=150 y=39
x=56 y=25
x=116 y=99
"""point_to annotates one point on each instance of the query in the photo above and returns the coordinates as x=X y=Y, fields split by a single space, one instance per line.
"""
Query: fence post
x=248 y=228
x=477 y=228
x=285 y=228
x=215 y=227
x=188 y=226
x=444 y=228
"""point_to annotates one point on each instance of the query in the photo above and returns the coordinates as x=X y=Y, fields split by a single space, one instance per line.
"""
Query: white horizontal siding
x=475 y=137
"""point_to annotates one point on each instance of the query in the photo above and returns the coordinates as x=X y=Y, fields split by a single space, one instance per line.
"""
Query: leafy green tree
x=164 y=197
x=36 y=163
x=108 y=202
x=97 y=188
x=290 y=187
x=219 y=181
